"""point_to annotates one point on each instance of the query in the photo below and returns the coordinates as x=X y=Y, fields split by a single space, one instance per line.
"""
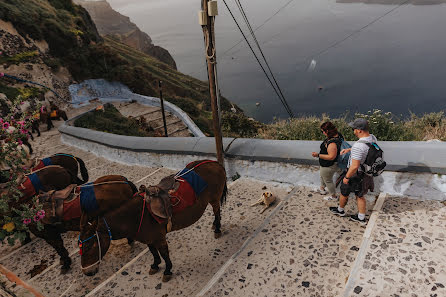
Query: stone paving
x=407 y=251
x=295 y=248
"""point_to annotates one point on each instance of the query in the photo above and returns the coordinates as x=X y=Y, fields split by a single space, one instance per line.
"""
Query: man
x=354 y=179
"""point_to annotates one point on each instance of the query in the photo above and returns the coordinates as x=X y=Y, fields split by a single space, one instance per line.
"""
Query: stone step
x=195 y=254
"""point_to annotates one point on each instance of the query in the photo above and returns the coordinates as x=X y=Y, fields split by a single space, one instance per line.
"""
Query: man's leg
x=360 y=217
x=361 y=204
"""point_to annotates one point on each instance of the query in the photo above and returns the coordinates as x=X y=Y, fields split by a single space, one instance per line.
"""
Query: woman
x=328 y=155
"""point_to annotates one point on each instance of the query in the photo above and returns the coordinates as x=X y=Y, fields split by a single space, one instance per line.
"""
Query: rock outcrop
x=24 y=58
x=112 y=23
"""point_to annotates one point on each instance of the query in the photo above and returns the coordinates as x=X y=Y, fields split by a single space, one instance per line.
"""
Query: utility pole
x=206 y=20
x=160 y=85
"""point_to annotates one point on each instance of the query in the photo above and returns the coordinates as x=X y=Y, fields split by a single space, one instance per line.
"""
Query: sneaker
x=334 y=209
x=356 y=219
x=318 y=190
x=331 y=198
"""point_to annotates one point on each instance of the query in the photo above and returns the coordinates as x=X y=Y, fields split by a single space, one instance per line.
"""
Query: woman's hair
x=330 y=129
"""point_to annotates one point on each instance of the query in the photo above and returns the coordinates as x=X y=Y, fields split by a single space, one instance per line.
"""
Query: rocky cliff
x=119 y=27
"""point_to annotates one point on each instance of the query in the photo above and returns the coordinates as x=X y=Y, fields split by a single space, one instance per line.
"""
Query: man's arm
x=352 y=170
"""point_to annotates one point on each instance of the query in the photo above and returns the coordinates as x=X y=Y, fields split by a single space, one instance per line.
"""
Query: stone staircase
x=295 y=248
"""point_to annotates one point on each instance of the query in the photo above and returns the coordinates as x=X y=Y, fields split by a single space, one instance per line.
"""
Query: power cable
x=255 y=55
x=261 y=25
x=242 y=11
x=353 y=33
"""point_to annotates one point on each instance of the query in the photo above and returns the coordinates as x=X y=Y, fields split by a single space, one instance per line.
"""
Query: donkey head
x=94 y=242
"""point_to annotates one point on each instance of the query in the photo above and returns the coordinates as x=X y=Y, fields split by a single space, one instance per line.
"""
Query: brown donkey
x=133 y=220
x=67 y=161
x=63 y=209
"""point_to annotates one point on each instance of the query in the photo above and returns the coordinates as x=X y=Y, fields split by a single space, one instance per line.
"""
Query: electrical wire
x=241 y=40
x=248 y=24
x=336 y=43
x=260 y=64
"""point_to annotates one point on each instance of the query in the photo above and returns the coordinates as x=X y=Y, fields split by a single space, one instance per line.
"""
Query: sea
x=328 y=56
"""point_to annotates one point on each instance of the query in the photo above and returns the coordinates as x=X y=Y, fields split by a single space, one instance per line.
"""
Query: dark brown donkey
x=63 y=208
x=67 y=161
x=133 y=220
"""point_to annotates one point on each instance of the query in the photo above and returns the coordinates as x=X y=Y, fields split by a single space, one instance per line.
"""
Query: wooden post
x=160 y=85
x=211 y=59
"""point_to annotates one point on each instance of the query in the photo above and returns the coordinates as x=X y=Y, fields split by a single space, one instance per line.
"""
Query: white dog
x=267 y=198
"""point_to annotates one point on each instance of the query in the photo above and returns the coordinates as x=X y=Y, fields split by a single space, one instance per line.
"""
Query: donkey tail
x=132 y=185
x=83 y=169
x=224 y=195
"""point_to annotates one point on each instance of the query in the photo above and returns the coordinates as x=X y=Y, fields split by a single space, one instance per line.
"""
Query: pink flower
x=23 y=131
x=27 y=221
x=5 y=125
x=2 y=74
x=1 y=120
x=41 y=214
x=20 y=142
x=36 y=218
x=21 y=103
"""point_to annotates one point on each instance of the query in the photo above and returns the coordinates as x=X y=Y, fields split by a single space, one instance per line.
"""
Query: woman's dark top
x=324 y=150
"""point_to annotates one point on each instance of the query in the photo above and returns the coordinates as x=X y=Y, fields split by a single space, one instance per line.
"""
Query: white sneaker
x=331 y=198
x=318 y=190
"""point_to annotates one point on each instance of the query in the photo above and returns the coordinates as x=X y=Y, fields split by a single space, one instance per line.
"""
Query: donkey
x=63 y=209
x=67 y=161
x=133 y=220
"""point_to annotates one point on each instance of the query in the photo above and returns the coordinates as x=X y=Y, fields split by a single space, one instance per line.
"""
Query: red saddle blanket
x=27 y=190
x=182 y=198
x=72 y=209
x=40 y=165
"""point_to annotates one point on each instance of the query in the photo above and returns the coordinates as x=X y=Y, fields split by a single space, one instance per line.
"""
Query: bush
x=238 y=125
x=383 y=125
x=110 y=120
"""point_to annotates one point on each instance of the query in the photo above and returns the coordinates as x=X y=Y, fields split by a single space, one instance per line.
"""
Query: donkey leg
x=216 y=225
x=154 y=268
x=53 y=237
x=164 y=252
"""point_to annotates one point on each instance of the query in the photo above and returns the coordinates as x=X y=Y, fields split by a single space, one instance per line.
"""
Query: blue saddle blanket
x=35 y=182
x=88 y=198
x=196 y=182
x=47 y=162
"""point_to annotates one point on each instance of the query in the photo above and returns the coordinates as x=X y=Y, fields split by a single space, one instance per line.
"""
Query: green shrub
x=383 y=125
x=10 y=93
x=110 y=120
x=238 y=125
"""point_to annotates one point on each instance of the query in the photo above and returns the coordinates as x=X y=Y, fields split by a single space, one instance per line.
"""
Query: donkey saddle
x=159 y=200
x=53 y=204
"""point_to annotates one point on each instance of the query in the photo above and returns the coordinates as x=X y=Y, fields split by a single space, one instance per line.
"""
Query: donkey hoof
x=64 y=269
x=166 y=277
x=152 y=271
x=217 y=235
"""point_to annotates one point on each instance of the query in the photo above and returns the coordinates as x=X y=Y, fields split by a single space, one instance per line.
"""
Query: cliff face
x=119 y=27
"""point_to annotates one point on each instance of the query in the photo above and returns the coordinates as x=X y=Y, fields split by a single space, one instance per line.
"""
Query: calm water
x=397 y=64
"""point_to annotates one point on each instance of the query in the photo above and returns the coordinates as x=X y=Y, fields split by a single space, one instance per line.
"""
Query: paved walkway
x=295 y=248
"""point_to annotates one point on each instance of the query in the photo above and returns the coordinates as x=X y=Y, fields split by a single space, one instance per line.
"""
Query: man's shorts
x=355 y=184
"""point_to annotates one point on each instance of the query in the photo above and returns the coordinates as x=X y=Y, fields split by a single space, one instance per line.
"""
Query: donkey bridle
x=81 y=242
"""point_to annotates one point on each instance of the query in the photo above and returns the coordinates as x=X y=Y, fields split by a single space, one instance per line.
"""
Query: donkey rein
x=142 y=216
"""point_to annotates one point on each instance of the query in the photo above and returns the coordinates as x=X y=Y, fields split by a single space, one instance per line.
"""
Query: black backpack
x=374 y=163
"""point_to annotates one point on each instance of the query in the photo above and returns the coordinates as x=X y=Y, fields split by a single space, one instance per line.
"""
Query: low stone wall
x=114 y=91
x=415 y=169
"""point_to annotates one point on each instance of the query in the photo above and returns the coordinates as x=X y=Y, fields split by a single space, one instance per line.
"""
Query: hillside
x=69 y=40
x=111 y=23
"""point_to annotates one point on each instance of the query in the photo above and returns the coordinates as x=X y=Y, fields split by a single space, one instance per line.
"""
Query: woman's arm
x=332 y=150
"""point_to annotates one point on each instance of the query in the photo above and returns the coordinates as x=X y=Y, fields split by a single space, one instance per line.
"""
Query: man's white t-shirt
x=360 y=149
